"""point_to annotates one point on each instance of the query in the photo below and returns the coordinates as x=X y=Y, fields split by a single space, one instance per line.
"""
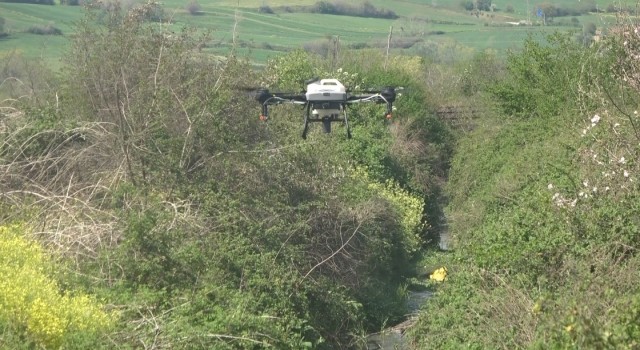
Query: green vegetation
x=543 y=208
x=262 y=30
x=32 y=309
x=147 y=177
x=146 y=205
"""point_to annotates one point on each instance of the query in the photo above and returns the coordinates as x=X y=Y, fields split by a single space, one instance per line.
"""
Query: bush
x=194 y=8
x=22 y=77
x=535 y=87
x=467 y=5
x=265 y=9
x=366 y=9
x=32 y=302
x=44 y=29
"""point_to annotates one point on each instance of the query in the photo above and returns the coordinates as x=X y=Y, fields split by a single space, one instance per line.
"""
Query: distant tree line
x=551 y=10
x=3 y=33
x=366 y=9
x=482 y=5
x=37 y=2
x=45 y=2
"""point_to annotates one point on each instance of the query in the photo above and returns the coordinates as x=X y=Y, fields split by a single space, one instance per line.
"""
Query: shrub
x=366 y=9
x=23 y=77
x=265 y=9
x=484 y=5
x=31 y=301
x=467 y=5
x=44 y=29
x=410 y=208
x=194 y=8
x=535 y=86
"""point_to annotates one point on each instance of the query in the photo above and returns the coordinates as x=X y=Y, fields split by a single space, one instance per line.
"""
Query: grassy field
x=260 y=35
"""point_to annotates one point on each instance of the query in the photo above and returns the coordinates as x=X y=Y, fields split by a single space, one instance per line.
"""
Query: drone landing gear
x=306 y=122
x=346 y=124
x=326 y=121
x=326 y=124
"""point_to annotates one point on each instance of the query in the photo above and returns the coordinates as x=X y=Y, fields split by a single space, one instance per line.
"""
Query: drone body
x=325 y=101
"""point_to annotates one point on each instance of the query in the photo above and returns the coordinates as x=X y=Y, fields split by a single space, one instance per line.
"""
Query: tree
x=483 y=5
x=194 y=8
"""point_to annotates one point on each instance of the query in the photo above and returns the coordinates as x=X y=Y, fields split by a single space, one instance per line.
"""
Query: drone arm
x=276 y=100
x=377 y=98
x=364 y=98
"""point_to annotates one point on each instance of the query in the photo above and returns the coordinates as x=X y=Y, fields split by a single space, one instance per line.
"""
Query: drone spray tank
x=326 y=98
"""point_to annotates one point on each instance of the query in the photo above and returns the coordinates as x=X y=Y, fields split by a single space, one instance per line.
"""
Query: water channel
x=393 y=338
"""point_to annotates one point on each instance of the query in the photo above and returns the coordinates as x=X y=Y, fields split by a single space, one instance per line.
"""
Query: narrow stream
x=393 y=338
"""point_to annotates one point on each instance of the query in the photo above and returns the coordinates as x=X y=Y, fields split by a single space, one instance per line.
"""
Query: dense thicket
x=145 y=172
x=544 y=209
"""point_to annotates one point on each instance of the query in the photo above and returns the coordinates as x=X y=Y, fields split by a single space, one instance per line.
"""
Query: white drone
x=326 y=101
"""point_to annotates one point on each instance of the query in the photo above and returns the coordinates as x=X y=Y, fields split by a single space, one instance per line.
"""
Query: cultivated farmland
x=260 y=29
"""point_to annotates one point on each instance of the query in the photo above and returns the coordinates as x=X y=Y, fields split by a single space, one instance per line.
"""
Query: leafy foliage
x=538 y=77
x=206 y=228
x=545 y=230
x=33 y=309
